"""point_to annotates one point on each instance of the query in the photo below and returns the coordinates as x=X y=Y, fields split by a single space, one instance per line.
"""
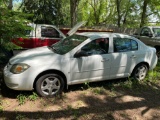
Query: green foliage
x=98 y=90
x=44 y=11
x=33 y=97
x=1 y=107
x=21 y=99
x=12 y=25
x=20 y=117
x=87 y=84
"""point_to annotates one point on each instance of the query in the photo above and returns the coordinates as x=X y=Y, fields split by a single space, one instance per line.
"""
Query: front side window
x=49 y=32
x=98 y=46
x=124 y=45
x=68 y=44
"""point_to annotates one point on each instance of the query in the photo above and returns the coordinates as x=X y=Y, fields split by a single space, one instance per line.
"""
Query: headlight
x=19 y=68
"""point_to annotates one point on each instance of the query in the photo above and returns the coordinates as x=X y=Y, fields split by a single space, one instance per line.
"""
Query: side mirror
x=80 y=53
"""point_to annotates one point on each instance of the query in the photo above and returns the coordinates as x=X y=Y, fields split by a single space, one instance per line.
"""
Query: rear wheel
x=158 y=51
x=140 y=72
x=158 y=54
x=49 y=85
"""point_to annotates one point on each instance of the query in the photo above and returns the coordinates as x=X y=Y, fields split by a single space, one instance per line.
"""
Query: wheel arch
x=51 y=71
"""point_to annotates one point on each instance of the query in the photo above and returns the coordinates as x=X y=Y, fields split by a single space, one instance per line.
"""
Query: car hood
x=35 y=56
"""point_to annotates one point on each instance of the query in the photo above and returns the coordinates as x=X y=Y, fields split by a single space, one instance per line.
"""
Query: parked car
x=150 y=35
x=79 y=58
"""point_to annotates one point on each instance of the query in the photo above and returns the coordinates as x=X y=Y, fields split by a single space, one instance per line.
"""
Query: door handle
x=133 y=56
x=104 y=60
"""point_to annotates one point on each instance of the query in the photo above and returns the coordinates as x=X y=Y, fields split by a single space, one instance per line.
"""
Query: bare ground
x=107 y=100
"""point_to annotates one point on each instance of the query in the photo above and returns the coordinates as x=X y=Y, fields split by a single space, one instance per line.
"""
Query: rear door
x=124 y=57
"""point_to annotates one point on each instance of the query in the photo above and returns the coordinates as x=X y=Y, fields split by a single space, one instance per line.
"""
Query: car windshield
x=68 y=44
x=156 y=32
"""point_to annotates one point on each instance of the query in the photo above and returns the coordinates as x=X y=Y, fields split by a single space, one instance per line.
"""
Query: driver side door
x=93 y=66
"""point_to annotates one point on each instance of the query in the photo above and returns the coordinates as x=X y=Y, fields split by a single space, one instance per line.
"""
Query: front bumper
x=16 y=81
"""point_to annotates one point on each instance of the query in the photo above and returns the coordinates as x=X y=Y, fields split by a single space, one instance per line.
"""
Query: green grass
x=22 y=98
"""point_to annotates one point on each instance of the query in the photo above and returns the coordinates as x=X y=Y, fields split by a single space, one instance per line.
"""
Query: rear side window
x=124 y=45
x=49 y=32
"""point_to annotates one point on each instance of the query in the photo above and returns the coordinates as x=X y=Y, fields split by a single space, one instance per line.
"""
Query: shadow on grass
x=95 y=107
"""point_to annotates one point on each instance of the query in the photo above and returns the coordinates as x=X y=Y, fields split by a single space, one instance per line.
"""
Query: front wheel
x=49 y=85
x=140 y=72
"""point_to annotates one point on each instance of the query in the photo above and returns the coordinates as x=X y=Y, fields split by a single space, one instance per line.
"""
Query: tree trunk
x=118 y=13
x=144 y=9
x=73 y=11
x=10 y=5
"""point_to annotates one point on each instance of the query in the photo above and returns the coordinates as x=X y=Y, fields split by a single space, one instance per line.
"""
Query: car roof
x=102 y=34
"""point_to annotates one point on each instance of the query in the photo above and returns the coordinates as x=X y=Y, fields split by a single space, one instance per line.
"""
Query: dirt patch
x=108 y=100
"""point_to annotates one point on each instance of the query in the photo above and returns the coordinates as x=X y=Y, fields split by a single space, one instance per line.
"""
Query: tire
x=158 y=54
x=140 y=72
x=158 y=51
x=49 y=85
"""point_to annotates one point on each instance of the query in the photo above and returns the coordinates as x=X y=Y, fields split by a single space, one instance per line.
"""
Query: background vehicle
x=79 y=58
x=44 y=35
x=150 y=35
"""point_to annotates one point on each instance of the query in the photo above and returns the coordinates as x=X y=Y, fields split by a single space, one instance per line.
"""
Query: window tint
x=98 y=46
x=124 y=45
x=49 y=32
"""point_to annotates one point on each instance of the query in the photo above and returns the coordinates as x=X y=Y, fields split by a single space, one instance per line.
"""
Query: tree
x=12 y=24
x=73 y=11
x=44 y=11
x=93 y=11
x=144 y=11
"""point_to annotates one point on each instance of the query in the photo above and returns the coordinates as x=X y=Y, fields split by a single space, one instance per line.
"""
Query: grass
x=20 y=117
x=33 y=97
x=1 y=103
x=22 y=98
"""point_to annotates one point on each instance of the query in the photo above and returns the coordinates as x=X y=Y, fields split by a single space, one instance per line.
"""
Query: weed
x=20 y=117
x=111 y=86
x=153 y=76
x=112 y=94
x=87 y=84
x=74 y=111
x=1 y=109
x=33 y=97
x=1 y=102
x=75 y=114
x=21 y=99
x=98 y=90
